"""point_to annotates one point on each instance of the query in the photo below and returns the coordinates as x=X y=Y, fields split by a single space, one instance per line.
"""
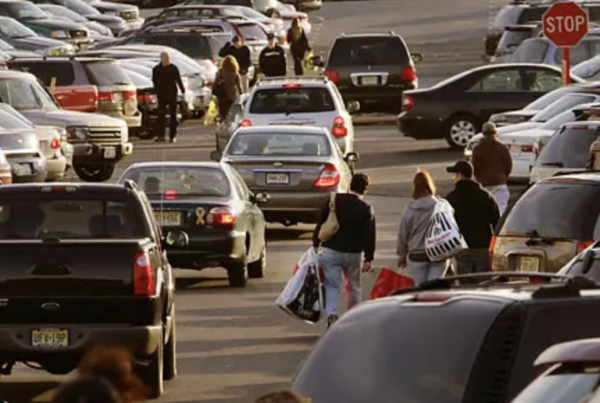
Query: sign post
x=565 y=25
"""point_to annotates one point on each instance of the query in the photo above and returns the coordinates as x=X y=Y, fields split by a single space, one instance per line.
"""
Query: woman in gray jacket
x=411 y=235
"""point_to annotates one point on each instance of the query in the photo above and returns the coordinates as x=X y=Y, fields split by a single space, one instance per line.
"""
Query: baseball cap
x=465 y=168
x=270 y=36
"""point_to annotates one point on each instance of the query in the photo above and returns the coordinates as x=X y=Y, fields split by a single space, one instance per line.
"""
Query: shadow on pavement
x=22 y=392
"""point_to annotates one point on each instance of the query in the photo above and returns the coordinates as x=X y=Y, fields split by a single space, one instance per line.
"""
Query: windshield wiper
x=553 y=164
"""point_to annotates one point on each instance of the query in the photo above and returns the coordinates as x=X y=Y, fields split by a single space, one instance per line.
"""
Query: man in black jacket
x=343 y=251
x=272 y=59
x=476 y=213
x=241 y=53
x=166 y=79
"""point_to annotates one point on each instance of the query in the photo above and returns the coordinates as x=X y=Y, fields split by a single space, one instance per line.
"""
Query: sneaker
x=331 y=319
x=173 y=140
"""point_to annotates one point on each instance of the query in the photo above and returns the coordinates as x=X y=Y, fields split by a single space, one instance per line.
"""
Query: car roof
x=282 y=129
x=369 y=35
x=65 y=187
x=509 y=65
x=16 y=74
x=175 y=164
x=277 y=82
x=578 y=351
x=574 y=177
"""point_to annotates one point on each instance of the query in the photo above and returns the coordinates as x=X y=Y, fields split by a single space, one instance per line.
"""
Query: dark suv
x=372 y=69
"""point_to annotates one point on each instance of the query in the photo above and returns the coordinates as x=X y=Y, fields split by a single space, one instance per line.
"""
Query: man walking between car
x=343 y=251
x=272 y=59
x=241 y=53
x=493 y=164
x=476 y=213
x=166 y=79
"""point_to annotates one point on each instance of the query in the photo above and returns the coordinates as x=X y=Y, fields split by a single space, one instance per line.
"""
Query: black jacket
x=300 y=46
x=476 y=213
x=272 y=62
x=166 y=79
x=357 y=226
x=241 y=54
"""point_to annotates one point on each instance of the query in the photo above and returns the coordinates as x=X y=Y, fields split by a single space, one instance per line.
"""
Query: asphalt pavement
x=235 y=344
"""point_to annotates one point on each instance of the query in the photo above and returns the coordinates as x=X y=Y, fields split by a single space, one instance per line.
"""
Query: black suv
x=372 y=68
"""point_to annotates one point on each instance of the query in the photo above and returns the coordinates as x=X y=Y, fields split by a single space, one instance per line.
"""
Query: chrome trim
x=384 y=78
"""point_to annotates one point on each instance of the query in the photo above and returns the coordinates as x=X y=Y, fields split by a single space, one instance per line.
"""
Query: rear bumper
x=367 y=95
x=296 y=207
x=212 y=249
x=36 y=170
x=419 y=127
x=56 y=168
x=95 y=153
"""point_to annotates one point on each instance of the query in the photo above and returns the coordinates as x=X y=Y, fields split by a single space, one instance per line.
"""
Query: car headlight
x=77 y=133
x=59 y=34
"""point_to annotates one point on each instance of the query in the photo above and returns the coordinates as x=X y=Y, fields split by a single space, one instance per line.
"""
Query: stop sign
x=565 y=24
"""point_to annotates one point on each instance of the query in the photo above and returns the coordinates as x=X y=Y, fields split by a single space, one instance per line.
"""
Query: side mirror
x=351 y=157
x=177 y=238
x=216 y=156
x=261 y=198
x=416 y=58
x=353 y=107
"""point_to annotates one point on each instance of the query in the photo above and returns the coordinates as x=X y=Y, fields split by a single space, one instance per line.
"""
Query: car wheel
x=170 y=357
x=146 y=133
x=460 y=129
x=153 y=374
x=258 y=269
x=238 y=274
x=94 y=173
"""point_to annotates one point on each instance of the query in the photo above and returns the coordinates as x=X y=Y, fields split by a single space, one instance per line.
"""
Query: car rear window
x=508 y=15
x=46 y=71
x=531 y=14
x=555 y=209
x=292 y=100
x=368 y=51
x=531 y=51
x=569 y=147
x=512 y=39
x=107 y=74
x=252 y=32
x=68 y=218
x=300 y=145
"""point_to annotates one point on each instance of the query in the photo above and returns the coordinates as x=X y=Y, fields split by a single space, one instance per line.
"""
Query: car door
x=225 y=129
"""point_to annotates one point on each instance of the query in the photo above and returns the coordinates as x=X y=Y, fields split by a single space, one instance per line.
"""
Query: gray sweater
x=413 y=226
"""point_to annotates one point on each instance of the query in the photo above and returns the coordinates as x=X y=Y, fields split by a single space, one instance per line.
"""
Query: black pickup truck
x=83 y=265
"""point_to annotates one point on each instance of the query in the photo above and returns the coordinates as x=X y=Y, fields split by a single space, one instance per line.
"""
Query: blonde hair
x=422 y=185
x=230 y=65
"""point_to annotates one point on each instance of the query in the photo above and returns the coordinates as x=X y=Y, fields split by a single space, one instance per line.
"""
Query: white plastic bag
x=302 y=296
x=443 y=239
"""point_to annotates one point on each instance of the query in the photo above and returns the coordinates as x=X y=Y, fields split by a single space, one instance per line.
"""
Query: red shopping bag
x=389 y=281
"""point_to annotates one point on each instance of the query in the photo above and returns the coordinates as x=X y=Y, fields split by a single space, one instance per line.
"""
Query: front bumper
x=209 y=249
x=96 y=153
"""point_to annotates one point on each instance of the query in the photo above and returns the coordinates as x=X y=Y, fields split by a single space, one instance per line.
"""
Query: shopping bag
x=389 y=281
x=308 y=63
x=211 y=113
x=443 y=239
x=302 y=296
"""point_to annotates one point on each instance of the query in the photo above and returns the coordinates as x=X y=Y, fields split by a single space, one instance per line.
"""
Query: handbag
x=331 y=226
x=443 y=239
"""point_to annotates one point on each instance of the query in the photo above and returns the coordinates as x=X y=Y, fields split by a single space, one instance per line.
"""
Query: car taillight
x=245 y=123
x=105 y=97
x=583 y=245
x=408 y=103
x=409 y=74
x=129 y=95
x=221 y=216
x=491 y=251
x=55 y=143
x=339 y=127
x=330 y=177
x=170 y=194
x=150 y=98
x=527 y=149
x=332 y=75
x=143 y=276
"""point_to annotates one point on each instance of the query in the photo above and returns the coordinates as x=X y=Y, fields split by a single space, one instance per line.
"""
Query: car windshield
x=566 y=384
x=565 y=103
x=550 y=98
x=13 y=29
x=12 y=120
x=587 y=69
x=292 y=100
x=64 y=12
x=531 y=14
x=180 y=181
x=5 y=46
x=531 y=51
x=267 y=144
x=252 y=32
x=555 y=209
x=368 y=51
x=25 y=95
x=80 y=7
x=569 y=147
x=137 y=68
x=508 y=15
x=23 y=11
x=107 y=73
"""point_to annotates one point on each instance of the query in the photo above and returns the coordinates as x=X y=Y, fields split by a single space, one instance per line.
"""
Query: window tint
x=559 y=120
x=216 y=43
x=508 y=15
x=139 y=80
x=292 y=100
x=531 y=51
x=252 y=32
x=106 y=74
x=569 y=147
x=21 y=95
x=63 y=12
x=305 y=145
x=579 y=53
x=541 y=80
x=531 y=14
x=23 y=11
x=79 y=7
x=555 y=209
x=368 y=51
x=567 y=102
x=193 y=45
x=62 y=71
x=503 y=80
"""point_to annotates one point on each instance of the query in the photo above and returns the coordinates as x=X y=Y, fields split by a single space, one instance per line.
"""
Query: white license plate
x=529 y=264
x=370 y=80
x=117 y=97
x=50 y=338
x=278 y=179
x=23 y=170
x=110 y=153
x=168 y=218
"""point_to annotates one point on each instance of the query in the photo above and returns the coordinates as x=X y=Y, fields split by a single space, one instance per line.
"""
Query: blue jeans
x=335 y=263
x=421 y=272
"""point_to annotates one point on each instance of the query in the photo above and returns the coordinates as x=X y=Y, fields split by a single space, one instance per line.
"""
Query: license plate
x=110 y=153
x=168 y=218
x=23 y=170
x=278 y=179
x=50 y=338
x=117 y=97
x=529 y=264
x=370 y=80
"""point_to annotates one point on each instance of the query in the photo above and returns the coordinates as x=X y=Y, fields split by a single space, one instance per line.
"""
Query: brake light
x=150 y=98
x=408 y=103
x=332 y=75
x=491 y=251
x=583 y=245
x=221 y=216
x=330 y=177
x=105 y=97
x=245 y=123
x=170 y=194
x=527 y=149
x=129 y=95
x=292 y=85
x=55 y=143
x=143 y=276
x=409 y=74
x=339 y=127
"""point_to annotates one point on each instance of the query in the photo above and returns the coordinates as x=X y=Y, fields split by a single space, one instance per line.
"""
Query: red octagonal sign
x=565 y=24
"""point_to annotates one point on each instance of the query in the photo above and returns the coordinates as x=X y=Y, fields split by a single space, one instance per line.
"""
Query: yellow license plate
x=529 y=264
x=50 y=338
x=168 y=218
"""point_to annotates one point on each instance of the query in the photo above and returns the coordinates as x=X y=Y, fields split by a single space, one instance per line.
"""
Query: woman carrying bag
x=228 y=85
x=299 y=46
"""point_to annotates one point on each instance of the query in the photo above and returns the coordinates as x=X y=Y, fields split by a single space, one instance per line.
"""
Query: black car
x=467 y=339
x=372 y=69
x=211 y=204
x=23 y=38
x=456 y=108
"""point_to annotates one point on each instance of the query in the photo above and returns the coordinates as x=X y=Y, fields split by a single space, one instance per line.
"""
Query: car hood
x=36 y=43
x=510 y=129
x=63 y=118
x=54 y=23
x=108 y=6
x=521 y=136
x=106 y=19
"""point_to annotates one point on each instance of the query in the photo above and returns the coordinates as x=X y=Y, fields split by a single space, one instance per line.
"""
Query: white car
x=301 y=101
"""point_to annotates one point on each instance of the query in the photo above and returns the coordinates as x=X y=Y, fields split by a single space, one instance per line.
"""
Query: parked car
x=62 y=12
x=542 y=50
x=24 y=156
x=297 y=166
x=5 y=170
x=586 y=264
x=23 y=38
x=476 y=95
x=147 y=104
x=589 y=69
x=511 y=38
x=131 y=14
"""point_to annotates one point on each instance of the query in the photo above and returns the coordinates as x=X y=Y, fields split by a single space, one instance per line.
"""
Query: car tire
x=146 y=133
x=94 y=173
x=258 y=269
x=460 y=129
x=170 y=355
x=238 y=274
x=153 y=374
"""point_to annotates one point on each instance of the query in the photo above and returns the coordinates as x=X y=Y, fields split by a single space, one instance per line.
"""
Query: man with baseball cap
x=241 y=52
x=272 y=59
x=476 y=213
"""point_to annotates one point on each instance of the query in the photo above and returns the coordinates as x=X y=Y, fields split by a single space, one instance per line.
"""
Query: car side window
x=503 y=80
x=541 y=80
x=150 y=212
x=63 y=72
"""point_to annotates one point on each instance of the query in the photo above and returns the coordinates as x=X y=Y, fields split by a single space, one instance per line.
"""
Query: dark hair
x=281 y=396
x=422 y=185
x=360 y=183
x=87 y=389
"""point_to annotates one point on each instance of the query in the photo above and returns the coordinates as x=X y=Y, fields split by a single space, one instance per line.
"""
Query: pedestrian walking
x=87 y=389
x=413 y=228
x=476 y=213
x=493 y=164
x=282 y=396
x=272 y=59
x=298 y=41
x=166 y=79
x=241 y=53
x=227 y=87
x=341 y=254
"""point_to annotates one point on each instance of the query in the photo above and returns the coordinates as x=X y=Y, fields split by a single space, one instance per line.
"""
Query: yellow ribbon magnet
x=199 y=216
